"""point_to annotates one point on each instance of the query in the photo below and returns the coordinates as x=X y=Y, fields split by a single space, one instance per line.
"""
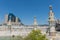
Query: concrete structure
x=14 y=26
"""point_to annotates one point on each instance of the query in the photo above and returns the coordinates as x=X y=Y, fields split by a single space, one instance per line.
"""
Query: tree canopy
x=35 y=35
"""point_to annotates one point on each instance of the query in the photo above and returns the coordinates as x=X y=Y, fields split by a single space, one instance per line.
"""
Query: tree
x=35 y=35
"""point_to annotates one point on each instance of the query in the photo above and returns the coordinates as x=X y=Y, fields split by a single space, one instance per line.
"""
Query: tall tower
x=51 y=22
x=16 y=19
x=51 y=16
x=6 y=18
x=35 y=21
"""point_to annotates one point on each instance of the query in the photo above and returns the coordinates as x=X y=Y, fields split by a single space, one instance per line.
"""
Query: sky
x=27 y=9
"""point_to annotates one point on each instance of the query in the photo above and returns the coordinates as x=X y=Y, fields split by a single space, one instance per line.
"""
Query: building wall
x=22 y=30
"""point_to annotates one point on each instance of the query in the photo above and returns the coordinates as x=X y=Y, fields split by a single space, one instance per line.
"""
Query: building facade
x=13 y=26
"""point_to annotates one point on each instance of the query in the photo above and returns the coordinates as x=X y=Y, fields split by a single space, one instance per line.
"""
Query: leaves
x=35 y=35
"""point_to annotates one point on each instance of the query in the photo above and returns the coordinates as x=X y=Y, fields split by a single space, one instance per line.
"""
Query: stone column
x=6 y=18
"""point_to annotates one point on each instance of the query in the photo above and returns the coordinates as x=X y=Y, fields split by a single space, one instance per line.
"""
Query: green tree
x=35 y=35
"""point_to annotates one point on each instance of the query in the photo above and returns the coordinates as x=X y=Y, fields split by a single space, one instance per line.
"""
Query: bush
x=35 y=35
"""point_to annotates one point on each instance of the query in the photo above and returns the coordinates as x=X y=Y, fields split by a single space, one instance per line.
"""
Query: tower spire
x=52 y=31
x=50 y=7
x=51 y=14
x=35 y=21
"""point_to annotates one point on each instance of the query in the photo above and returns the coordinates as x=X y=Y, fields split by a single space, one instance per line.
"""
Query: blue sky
x=27 y=9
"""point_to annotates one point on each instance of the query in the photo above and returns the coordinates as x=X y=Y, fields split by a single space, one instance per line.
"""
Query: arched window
x=11 y=17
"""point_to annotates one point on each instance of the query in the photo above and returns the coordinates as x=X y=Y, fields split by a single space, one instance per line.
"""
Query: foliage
x=35 y=35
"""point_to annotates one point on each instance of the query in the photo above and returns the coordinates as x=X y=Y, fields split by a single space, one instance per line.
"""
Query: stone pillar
x=35 y=21
x=16 y=19
x=6 y=18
